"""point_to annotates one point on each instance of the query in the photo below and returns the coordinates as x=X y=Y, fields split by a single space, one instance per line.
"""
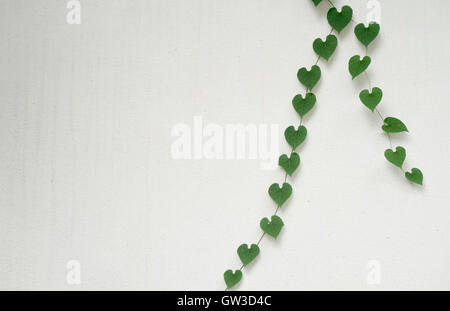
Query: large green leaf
x=398 y=157
x=289 y=164
x=309 y=78
x=248 y=254
x=339 y=20
x=325 y=48
x=367 y=34
x=394 y=125
x=415 y=176
x=273 y=227
x=231 y=278
x=304 y=105
x=357 y=66
x=280 y=194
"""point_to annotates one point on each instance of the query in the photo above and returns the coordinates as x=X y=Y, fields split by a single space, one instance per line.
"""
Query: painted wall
x=88 y=178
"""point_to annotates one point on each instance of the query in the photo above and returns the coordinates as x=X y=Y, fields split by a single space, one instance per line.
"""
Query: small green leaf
x=397 y=158
x=304 y=105
x=273 y=227
x=367 y=34
x=231 y=278
x=280 y=195
x=356 y=66
x=309 y=78
x=316 y=2
x=325 y=48
x=371 y=100
x=393 y=125
x=339 y=20
x=415 y=176
x=295 y=137
x=247 y=254
x=289 y=164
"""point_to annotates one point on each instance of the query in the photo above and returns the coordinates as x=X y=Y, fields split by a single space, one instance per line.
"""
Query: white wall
x=86 y=171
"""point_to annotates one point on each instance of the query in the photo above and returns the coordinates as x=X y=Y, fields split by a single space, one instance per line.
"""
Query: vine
x=370 y=97
x=294 y=137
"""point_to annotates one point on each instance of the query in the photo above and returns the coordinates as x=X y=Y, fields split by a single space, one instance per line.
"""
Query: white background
x=86 y=171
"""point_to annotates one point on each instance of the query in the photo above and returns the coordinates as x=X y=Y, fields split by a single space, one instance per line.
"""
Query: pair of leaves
x=325 y=48
x=394 y=125
x=309 y=78
x=295 y=137
x=248 y=254
x=280 y=194
x=316 y=2
x=398 y=158
x=357 y=66
x=367 y=34
x=339 y=20
x=371 y=99
x=273 y=227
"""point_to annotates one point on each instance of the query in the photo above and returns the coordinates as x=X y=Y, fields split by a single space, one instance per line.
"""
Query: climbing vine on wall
x=296 y=135
x=372 y=97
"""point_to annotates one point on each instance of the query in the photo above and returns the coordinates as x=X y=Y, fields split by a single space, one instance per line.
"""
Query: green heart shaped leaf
x=356 y=66
x=393 y=125
x=247 y=254
x=309 y=78
x=231 y=278
x=316 y=2
x=415 y=176
x=289 y=164
x=304 y=105
x=280 y=195
x=339 y=20
x=272 y=228
x=367 y=34
x=397 y=158
x=325 y=48
x=295 y=137
x=371 y=100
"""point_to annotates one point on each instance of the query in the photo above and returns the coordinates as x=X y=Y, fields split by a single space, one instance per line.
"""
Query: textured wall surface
x=87 y=173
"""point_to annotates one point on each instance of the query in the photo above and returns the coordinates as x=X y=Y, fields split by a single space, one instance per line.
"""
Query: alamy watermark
x=73 y=275
x=226 y=142
x=374 y=14
x=73 y=17
x=373 y=276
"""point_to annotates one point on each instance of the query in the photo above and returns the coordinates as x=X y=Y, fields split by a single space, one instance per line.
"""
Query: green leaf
x=273 y=227
x=316 y=2
x=309 y=78
x=289 y=164
x=371 y=100
x=280 y=195
x=356 y=66
x=325 y=48
x=397 y=158
x=231 y=278
x=415 y=176
x=304 y=105
x=393 y=125
x=339 y=20
x=295 y=137
x=367 y=34
x=247 y=254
